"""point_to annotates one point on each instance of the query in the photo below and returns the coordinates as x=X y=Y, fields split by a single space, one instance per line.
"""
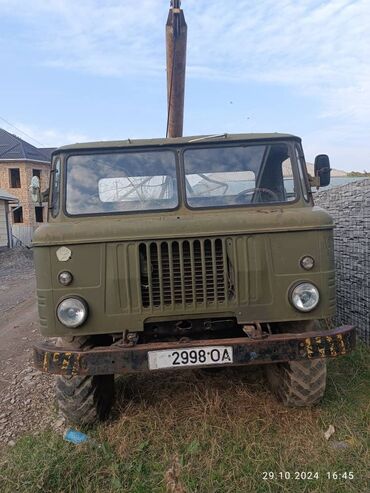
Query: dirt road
x=26 y=402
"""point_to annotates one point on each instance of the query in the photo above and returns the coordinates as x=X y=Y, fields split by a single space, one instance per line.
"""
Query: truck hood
x=201 y=223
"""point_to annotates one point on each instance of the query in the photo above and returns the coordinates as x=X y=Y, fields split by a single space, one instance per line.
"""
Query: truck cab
x=200 y=251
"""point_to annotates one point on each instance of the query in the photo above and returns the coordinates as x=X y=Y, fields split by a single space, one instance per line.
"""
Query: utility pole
x=176 y=39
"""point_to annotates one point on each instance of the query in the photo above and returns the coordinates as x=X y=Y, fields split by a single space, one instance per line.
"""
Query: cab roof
x=197 y=139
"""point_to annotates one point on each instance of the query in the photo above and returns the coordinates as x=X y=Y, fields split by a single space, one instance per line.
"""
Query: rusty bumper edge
x=272 y=349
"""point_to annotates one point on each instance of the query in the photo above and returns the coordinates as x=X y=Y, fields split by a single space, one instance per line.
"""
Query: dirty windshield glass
x=238 y=175
x=121 y=182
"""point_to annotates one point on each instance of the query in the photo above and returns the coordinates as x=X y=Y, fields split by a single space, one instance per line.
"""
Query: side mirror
x=35 y=190
x=322 y=169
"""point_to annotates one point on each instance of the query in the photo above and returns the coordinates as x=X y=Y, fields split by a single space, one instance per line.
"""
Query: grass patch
x=216 y=433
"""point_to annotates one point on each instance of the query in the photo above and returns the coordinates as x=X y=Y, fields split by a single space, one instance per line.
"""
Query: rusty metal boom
x=176 y=41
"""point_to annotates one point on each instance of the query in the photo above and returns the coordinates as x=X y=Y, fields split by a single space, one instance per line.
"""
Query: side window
x=14 y=178
x=17 y=215
x=288 y=181
x=302 y=173
x=55 y=189
x=39 y=215
x=277 y=179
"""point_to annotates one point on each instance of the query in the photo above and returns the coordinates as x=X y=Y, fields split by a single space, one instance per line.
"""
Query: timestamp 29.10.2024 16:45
x=307 y=475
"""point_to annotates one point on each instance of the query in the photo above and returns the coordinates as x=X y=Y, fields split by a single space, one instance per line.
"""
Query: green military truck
x=192 y=252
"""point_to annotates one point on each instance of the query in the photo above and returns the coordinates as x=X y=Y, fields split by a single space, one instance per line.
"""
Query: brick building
x=19 y=161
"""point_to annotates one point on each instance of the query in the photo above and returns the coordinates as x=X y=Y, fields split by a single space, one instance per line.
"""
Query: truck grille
x=184 y=272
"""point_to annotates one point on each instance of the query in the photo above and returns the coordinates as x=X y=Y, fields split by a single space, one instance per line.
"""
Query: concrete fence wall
x=350 y=207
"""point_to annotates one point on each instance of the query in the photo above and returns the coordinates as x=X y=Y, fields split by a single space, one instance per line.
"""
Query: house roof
x=13 y=148
x=7 y=196
x=47 y=151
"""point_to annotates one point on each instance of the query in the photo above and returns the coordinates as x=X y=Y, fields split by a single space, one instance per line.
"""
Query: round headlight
x=65 y=278
x=307 y=262
x=72 y=312
x=305 y=297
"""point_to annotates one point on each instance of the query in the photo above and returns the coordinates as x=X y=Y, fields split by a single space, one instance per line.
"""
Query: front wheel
x=298 y=383
x=85 y=400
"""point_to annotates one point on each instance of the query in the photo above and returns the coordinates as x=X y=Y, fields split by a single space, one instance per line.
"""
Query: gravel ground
x=16 y=268
x=26 y=403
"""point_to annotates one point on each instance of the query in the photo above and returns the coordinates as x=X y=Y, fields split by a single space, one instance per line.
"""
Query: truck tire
x=85 y=400
x=298 y=383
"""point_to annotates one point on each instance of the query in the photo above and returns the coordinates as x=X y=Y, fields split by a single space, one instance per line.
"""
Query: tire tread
x=85 y=400
x=298 y=383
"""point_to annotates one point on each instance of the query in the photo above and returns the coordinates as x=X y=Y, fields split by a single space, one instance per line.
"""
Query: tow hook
x=254 y=331
x=132 y=339
x=129 y=339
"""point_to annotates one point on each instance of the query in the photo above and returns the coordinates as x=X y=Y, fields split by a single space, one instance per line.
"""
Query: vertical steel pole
x=176 y=39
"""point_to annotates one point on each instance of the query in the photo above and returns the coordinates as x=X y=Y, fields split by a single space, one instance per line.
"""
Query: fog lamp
x=307 y=263
x=305 y=297
x=65 y=278
x=72 y=312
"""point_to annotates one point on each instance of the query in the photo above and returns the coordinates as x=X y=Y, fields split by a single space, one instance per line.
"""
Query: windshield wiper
x=206 y=137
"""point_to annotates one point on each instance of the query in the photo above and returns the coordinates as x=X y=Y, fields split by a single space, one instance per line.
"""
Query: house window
x=18 y=215
x=14 y=178
x=37 y=172
x=39 y=214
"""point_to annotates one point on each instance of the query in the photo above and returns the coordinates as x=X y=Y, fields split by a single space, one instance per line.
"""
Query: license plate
x=199 y=356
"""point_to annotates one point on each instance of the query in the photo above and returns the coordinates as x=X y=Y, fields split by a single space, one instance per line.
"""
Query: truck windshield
x=121 y=182
x=238 y=175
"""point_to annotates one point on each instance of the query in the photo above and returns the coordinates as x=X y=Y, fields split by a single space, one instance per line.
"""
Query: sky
x=74 y=71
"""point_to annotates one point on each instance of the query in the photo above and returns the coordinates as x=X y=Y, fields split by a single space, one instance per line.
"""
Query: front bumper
x=247 y=351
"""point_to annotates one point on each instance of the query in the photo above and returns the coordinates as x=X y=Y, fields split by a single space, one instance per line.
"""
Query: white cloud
x=45 y=137
x=105 y=38
x=317 y=48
